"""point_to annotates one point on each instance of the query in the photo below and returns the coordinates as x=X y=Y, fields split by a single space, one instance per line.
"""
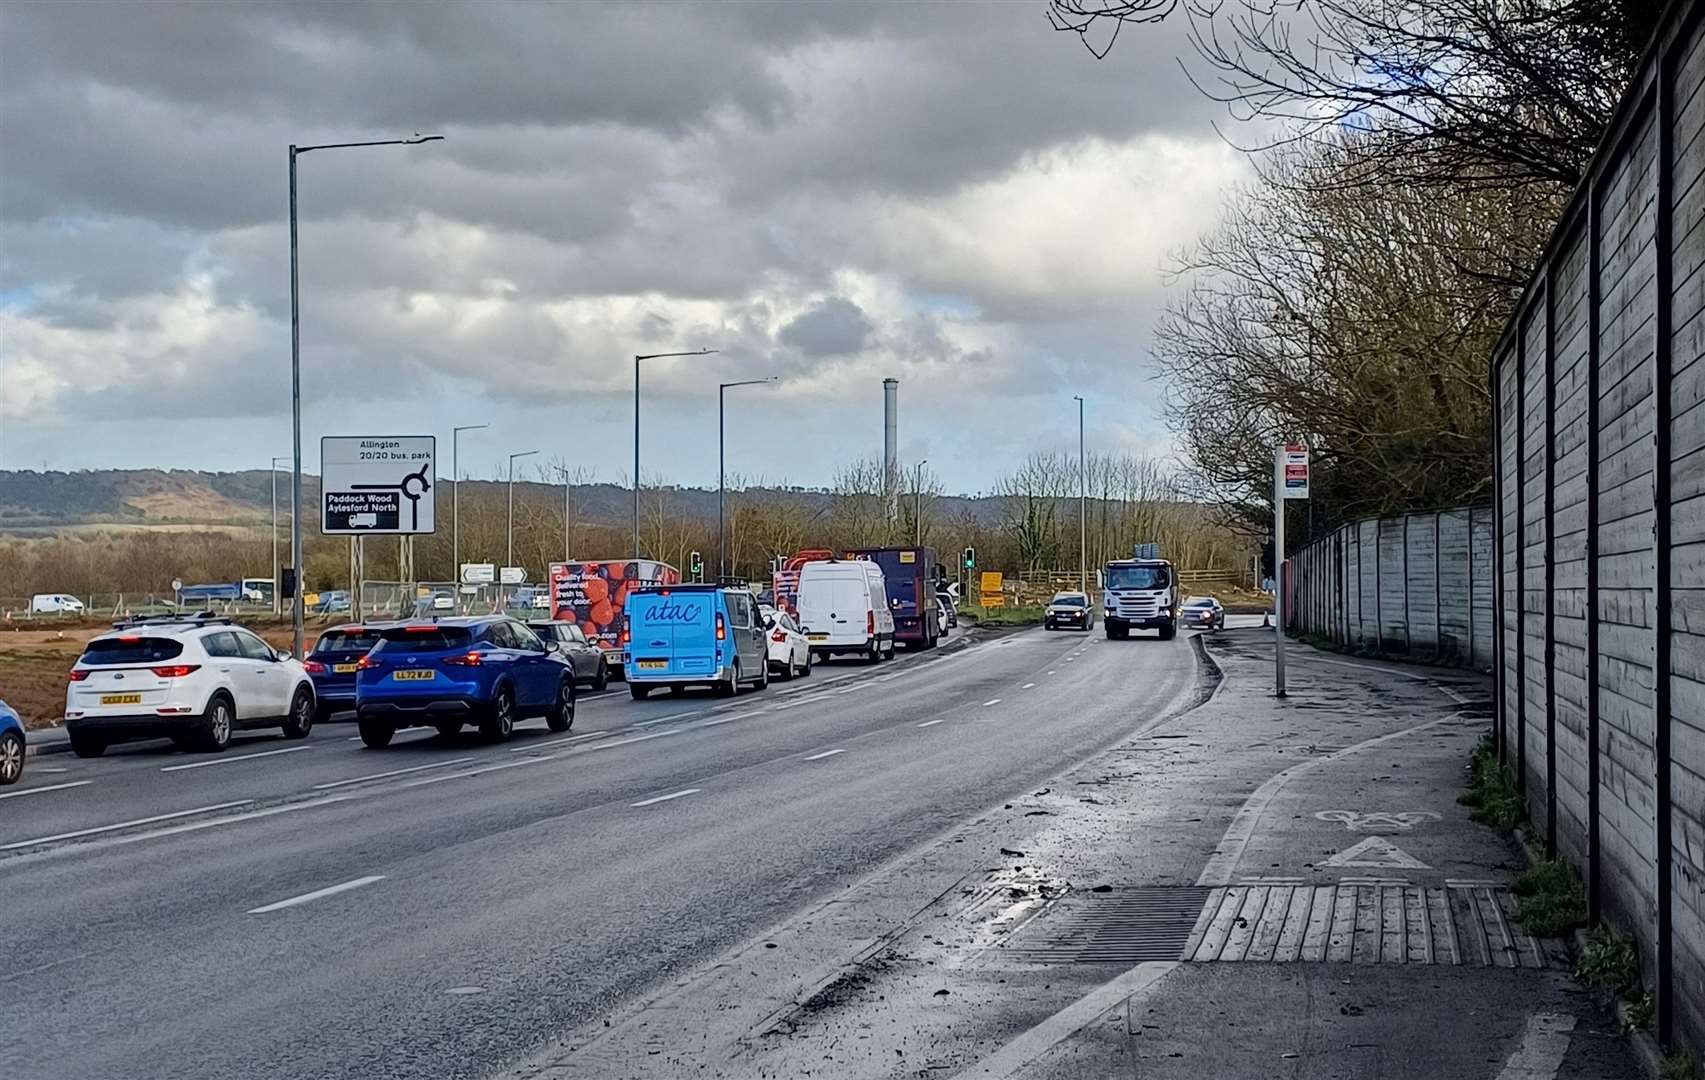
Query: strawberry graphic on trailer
x=594 y=592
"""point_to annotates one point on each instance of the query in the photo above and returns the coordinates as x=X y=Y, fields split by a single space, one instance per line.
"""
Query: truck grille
x=1135 y=607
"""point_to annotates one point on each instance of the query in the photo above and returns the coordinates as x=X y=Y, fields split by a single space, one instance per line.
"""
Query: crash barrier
x=1599 y=421
x=1418 y=586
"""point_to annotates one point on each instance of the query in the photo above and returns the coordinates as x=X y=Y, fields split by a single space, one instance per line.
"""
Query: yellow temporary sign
x=991 y=581
x=992 y=599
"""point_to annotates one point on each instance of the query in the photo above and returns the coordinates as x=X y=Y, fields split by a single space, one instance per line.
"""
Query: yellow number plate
x=414 y=675
x=652 y=665
x=121 y=699
x=344 y=669
x=818 y=637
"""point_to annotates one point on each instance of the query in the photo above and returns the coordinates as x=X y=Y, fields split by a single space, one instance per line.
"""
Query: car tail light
x=778 y=636
x=175 y=671
x=366 y=663
x=428 y=628
x=627 y=629
x=78 y=674
x=469 y=659
x=313 y=667
x=869 y=623
x=721 y=630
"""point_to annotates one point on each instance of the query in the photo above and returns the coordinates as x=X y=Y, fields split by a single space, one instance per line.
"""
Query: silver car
x=569 y=641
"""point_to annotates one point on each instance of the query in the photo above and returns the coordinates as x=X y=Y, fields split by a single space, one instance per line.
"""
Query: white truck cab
x=1140 y=594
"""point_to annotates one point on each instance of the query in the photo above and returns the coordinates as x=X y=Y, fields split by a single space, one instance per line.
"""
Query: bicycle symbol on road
x=1377 y=821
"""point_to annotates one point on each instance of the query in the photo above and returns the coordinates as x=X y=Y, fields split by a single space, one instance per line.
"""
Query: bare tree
x=858 y=510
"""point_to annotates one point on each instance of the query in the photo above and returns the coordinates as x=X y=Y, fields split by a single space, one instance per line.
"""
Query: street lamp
x=525 y=453
x=722 y=529
x=636 y=360
x=1082 y=508
x=277 y=600
x=918 y=506
x=456 y=498
x=296 y=378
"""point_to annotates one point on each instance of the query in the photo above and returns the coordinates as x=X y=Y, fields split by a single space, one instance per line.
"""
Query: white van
x=843 y=608
x=55 y=604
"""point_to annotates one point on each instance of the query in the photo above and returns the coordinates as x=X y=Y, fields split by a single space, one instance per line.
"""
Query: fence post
x=1662 y=375
x=1469 y=546
x=1549 y=659
x=1521 y=553
x=1408 y=632
x=1595 y=890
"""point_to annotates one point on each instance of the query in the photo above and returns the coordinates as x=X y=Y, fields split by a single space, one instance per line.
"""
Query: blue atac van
x=686 y=635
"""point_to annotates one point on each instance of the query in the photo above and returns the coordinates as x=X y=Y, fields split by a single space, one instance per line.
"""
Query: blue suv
x=332 y=666
x=487 y=671
x=11 y=745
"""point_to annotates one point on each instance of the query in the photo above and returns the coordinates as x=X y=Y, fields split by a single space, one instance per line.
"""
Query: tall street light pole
x=456 y=498
x=1082 y=508
x=636 y=360
x=296 y=378
x=277 y=600
x=918 y=506
x=510 y=558
x=721 y=478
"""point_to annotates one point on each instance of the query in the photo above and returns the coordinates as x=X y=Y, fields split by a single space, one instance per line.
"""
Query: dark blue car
x=332 y=665
x=11 y=745
x=489 y=671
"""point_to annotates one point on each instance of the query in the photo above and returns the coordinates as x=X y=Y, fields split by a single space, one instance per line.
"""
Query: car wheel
x=499 y=723
x=640 y=693
x=809 y=659
x=732 y=686
x=11 y=757
x=376 y=733
x=302 y=712
x=215 y=733
x=764 y=674
x=602 y=679
x=875 y=654
x=86 y=745
x=1167 y=633
x=561 y=716
x=1047 y=624
x=449 y=729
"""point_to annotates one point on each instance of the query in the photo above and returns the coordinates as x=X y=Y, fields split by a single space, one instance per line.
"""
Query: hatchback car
x=1069 y=609
x=1204 y=613
x=332 y=665
x=944 y=601
x=568 y=639
x=12 y=745
x=790 y=652
x=193 y=678
x=490 y=671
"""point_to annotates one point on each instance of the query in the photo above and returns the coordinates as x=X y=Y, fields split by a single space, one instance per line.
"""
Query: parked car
x=843 y=608
x=194 y=678
x=488 y=670
x=55 y=604
x=12 y=745
x=332 y=665
x=940 y=621
x=567 y=638
x=790 y=653
x=1069 y=609
x=529 y=598
x=331 y=602
x=944 y=601
x=685 y=635
x=1204 y=613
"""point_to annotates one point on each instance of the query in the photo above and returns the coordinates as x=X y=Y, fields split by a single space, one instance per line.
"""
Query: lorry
x=1140 y=594
x=911 y=574
x=593 y=593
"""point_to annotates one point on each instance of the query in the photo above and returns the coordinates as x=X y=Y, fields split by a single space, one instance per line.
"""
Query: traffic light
x=970 y=558
x=695 y=564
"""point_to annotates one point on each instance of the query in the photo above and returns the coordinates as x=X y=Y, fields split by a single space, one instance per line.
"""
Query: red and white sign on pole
x=1294 y=461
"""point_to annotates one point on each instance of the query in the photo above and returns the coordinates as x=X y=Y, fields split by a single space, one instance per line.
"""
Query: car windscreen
x=356 y=641
x=548 y=632
x=130 y=649
x=1201 y=601
x=1068 y=601
x=1138 y=577
x=400 y=638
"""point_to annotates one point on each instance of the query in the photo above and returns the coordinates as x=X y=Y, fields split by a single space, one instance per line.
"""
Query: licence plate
x=414 y=675
x=121 y=699
x=818 y=637
x=344 y=669
x=652 y=665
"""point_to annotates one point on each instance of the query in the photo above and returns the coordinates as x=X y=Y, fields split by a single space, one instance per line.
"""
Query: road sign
x=1146 y=551
x=377 y=484
x=513 y=575
x=478 y=573
x=1294 y=461
x=991 y=581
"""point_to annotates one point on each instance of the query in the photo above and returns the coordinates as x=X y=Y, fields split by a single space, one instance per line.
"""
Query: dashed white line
x=1027 y=686
x=479 y=772
x=40 y=769
x=991 y=701
x=570 y=741
x=49 y=787
x=824 y=754
x=122 y=825
x=854 y=686
x=228 y=760
x=666 y=798
x=663 y=719
x=932 y=723
x=317 y=894
x=1050 y=672
x=393 y=772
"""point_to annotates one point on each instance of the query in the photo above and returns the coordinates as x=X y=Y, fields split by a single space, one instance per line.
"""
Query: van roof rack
x=198 y=618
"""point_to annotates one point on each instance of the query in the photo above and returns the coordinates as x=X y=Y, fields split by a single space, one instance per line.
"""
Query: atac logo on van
x=671 y=611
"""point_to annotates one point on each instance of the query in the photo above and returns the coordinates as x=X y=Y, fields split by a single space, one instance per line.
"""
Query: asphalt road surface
x=445 y=907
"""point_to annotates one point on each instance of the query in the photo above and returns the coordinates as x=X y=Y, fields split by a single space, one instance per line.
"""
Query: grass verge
x=1029 y=615
x=1677 y=1065
x=1550 y=899
x=1492 y=790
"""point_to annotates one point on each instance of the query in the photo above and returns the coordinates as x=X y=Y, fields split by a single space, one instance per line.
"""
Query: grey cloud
x=832 y=326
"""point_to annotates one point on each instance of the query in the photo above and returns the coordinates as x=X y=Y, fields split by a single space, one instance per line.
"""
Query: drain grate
x=1125 y=926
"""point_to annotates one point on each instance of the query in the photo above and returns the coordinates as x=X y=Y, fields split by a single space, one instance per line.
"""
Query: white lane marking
x=222 y=760
x=1027 y=686
x=441 y=777
x=854 y=686
x=824 y=754
x=932 y=723
x=234 y=819
x=39 y=768
x=49 y=787
x=123 y=825
x=1543 y=1046
x=991 y=701
x=1010 y=1059
x=317 y=894
x=663 y=719
x=570 y=741
x=1069 y=659
x=1050 y=672
x=408 y=734
x=393 y=772
x=666 y=798
x=625 y=742
x=727 y=719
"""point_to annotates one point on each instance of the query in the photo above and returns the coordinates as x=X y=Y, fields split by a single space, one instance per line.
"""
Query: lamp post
x=277 y=600
x=510 y=557
x=456 y=499
x=1082 y=508
x=296 y=378
x=721 y=480
x=918 y=506
x=637 y=358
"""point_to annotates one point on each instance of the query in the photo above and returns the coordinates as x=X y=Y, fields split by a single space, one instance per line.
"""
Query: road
x=446 y=907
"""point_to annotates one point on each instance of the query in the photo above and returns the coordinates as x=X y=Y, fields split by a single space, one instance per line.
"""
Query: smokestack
x=890 y=449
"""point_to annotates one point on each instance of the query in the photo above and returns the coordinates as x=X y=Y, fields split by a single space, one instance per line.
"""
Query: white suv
x=193 y=678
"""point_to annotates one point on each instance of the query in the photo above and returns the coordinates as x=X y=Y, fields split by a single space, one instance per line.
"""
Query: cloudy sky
x=953 y=195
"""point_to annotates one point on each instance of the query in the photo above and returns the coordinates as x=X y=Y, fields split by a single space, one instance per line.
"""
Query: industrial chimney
x=890 y=449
